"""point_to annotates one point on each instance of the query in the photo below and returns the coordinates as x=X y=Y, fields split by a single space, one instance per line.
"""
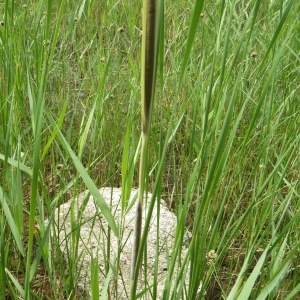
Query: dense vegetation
x=223 y=147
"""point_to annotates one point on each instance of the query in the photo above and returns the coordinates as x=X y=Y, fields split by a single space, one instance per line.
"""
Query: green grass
x=223 y=146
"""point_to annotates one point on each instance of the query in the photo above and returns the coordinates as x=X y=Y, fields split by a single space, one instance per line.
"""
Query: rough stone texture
x=93 y=240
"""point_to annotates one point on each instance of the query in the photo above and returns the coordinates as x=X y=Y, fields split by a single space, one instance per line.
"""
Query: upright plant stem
x=147 y=87
x=138 y=216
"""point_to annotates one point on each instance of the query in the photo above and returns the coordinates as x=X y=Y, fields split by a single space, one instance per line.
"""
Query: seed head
x=253 y=54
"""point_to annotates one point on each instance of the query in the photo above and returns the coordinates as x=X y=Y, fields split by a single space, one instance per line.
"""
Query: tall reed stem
x=147 y=87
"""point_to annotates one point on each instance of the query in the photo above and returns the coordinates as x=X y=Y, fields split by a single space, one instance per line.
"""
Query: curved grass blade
x=278 y=29
x=234 y=291
x=247 y=289
x=293 y=293
x=37 y=115
x=94 y=278
x=265 y=90
x=17 y=164
x=11 y=222
x=59 y=123
x=272 y=283
x=15 y=282
x=190 y=40
x=86 y=178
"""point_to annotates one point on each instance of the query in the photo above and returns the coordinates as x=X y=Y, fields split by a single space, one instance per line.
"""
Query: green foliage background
x=224 y=144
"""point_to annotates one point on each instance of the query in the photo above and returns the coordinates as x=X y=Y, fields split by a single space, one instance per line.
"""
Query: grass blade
x=247 y=289
x=272 y=283
x=11 y=222
x=86 y=178
x=190 y=40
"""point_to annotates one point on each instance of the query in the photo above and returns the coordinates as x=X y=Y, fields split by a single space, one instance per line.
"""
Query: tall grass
x=223 y=145
x=149 y=55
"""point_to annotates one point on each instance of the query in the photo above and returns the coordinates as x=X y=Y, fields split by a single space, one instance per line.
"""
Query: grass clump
x=223 y=146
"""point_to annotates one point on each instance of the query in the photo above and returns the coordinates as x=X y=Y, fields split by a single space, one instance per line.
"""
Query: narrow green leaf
x=15 y=282
x=106 y=284
x=80 y=10
x=83 y=136
x=38 y=117
x=11 y=222
x=94 y=278
x=125 y=158
x=55 y=35
x=277 y=31
x=59 y=123
x=18 y=202
x=40 y=251
x=247 y=289
x=86 y=178
x=279 y=256
x=293 y=293
x=272 y=283
x=192 y=32
x=16 y=164
x=239 y=281
x=267 y=85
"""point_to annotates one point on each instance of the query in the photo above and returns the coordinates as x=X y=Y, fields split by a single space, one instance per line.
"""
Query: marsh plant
x=149 y=54
x=222 y=149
